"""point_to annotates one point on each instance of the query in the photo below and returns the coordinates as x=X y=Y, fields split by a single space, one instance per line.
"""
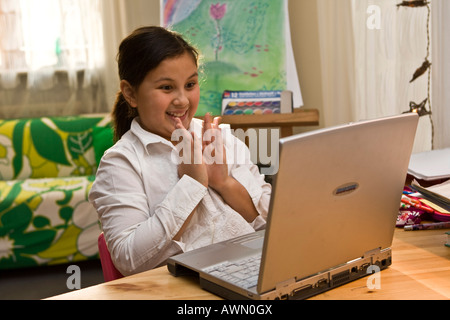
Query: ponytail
x=122 y=115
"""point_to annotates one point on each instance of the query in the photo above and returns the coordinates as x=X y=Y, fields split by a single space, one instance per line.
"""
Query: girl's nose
x=181 y=99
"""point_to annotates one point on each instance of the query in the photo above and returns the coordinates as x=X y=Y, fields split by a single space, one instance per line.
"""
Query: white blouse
x=142 y=203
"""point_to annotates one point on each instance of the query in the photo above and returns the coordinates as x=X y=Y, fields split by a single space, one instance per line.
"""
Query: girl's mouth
x=181 y=115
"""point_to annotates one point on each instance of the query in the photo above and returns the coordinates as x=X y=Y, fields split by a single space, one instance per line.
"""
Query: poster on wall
x=245 y=46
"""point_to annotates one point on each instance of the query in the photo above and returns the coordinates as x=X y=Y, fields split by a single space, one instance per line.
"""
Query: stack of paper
x=431 y=165
x=437 y=197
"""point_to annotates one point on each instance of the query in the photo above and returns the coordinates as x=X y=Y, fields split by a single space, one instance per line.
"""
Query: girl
x=150 y=206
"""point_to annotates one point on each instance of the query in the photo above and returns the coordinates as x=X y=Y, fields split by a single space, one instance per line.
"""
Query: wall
x=305 y=42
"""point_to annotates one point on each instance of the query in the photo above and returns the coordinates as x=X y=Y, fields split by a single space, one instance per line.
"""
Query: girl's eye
x=191 y=85
x=166 y=88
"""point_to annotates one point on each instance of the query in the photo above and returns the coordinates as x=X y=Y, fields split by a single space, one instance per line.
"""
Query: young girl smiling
x=150 y=206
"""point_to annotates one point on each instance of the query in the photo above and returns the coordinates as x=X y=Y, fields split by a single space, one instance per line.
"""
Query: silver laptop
x=332 y=215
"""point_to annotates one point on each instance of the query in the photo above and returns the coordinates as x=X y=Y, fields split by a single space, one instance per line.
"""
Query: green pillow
x=103 y=139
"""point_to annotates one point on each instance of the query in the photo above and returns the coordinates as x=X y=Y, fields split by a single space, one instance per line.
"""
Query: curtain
x=370 y=51
x=337 y=61
x=114 y=20
x=120 y=18
x=52 y=58
x=441 y=72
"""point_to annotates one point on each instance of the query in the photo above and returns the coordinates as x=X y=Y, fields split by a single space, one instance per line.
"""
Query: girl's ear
x=128 y=93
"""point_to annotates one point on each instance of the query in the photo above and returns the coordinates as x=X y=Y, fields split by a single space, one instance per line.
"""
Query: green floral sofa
x=47 y=167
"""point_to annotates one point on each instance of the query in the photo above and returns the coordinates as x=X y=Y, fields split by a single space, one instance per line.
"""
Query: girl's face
x=168 y=92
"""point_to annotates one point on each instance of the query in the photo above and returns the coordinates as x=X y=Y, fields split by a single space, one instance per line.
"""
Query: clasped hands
x=204 y=158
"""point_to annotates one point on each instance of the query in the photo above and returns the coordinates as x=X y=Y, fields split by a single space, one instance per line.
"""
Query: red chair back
x=109 y=270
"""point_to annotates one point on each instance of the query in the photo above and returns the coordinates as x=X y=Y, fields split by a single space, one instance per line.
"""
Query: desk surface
x=420 y=270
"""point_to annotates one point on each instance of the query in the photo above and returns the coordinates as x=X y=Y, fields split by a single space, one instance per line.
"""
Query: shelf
x=285 y=121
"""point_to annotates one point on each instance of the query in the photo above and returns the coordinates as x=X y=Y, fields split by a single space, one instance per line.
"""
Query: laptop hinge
x=284 y=288
x=372 y=253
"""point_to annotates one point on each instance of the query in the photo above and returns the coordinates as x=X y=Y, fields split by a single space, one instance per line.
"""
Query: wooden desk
x=420 y=270
x=286 y=121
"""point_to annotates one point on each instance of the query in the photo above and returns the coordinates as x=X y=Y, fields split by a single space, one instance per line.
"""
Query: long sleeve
x=258 y=189
x=248 y=175
x=139 y=234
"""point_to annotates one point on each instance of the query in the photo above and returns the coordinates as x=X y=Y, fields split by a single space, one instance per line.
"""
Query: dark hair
x=139 y=53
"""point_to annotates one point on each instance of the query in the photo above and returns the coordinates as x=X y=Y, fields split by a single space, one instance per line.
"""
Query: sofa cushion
x=47 y=221
x=103 y=139
x=48 y=147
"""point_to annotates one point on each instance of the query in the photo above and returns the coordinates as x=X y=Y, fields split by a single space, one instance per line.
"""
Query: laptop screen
x=335 y=197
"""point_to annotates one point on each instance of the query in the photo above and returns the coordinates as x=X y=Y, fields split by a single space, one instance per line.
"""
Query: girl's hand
x=214 y=154
x=192 y=164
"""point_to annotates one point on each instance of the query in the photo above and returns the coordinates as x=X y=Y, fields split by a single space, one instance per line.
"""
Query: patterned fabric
x=47 y=147
x=46 y=221
x=47 y=167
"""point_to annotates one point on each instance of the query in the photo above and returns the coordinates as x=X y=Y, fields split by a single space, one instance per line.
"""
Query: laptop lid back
x=335 y=197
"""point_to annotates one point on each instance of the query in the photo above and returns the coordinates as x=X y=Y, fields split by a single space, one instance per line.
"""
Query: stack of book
x=437 y=198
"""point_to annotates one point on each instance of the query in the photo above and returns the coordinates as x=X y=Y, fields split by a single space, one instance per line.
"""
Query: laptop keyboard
x=243 y=273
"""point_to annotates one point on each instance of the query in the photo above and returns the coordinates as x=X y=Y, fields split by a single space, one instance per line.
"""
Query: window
x=49 y=43
x=50 y=33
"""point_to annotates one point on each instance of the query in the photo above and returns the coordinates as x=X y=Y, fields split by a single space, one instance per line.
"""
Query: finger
x=205 y=129
x=207 y=122
x=197 y=149
x=216 y=122
x=182 y=130
x=179 y=124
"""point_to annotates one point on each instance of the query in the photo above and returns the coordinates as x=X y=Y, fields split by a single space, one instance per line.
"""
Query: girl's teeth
x=176 y=114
